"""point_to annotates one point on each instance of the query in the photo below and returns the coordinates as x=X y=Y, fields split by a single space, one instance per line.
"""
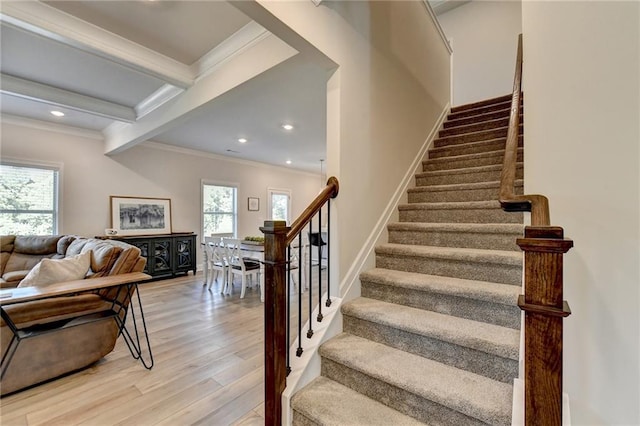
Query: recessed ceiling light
x=242 y=140
x=287 y=126
x=58 y=113
x=288 y=161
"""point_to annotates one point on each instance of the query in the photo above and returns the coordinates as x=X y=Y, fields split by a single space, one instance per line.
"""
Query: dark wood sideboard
x=168 y=255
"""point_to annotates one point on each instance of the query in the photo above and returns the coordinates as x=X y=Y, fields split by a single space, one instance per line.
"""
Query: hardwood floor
x=208 y=352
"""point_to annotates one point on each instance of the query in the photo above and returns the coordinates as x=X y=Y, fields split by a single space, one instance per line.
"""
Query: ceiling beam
x=262 y=16
x=245 y=37
x=243 y=65
x=63 y=98
x=49 y=22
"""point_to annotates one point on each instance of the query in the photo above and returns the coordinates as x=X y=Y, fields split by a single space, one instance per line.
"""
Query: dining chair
x=311 y=241
x=295 y=265
x=217 y=261
x=243 y=266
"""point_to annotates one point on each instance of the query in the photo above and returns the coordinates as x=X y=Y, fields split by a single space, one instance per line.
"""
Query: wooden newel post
x=275 y=320
x=544 y=311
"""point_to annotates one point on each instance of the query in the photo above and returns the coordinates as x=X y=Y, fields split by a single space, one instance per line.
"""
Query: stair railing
x=280 y=245
x=542 y=302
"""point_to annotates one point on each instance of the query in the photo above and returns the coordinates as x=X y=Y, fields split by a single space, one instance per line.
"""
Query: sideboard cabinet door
x=162 y=256
x=167 y=255
x=185 y=252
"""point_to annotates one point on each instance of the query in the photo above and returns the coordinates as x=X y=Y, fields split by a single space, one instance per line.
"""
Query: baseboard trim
x=366 y=253
x=307 y=367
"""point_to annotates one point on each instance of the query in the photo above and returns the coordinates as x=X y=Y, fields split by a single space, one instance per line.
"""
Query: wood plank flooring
x=209 y=367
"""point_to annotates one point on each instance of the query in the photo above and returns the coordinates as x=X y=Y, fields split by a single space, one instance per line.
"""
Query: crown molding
x=212 y=156
x=49 y=22
x=245 y=37
x=50 y=127
x=156 y=99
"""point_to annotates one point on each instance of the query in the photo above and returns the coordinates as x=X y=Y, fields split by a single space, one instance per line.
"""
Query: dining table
x=253 y=250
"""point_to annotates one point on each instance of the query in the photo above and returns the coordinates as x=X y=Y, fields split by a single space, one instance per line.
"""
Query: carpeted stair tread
x=494 y=153
x=460 y=186
x=474 y=127
x=473 y=205
x=459 y=254
x=497 y=144
x=457 y=212
x=479 y=290
x=470 y=394
x=465 y=298
x=483 y=103
x=489 y=338
x=459 y=192
x=501 y=113
x=326 y=402
x=464 y=175
x=479 y=159
x=479 y=110
x=488 y=228
x=465 y=170
x=498 y=236
x=499 y=266
x=481 y=135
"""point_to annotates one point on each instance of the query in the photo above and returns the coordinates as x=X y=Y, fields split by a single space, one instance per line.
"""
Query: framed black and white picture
x=140 y=215
x=254 y=204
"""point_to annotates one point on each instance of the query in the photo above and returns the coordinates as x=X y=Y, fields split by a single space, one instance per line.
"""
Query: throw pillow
x=51 y=271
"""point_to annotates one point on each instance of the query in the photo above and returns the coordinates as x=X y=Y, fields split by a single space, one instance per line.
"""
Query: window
x=280 y=204
x=219 y=209
x=28 y=200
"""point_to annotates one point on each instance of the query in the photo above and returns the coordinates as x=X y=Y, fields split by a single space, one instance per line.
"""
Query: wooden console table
x=168 y=255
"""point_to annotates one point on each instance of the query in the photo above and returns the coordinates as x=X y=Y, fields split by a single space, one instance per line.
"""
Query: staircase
x=434 y=338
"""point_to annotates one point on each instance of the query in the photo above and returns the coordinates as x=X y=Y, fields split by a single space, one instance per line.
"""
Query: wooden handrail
x=537 y=204
x=543 y=246
x=278 y=236
x=329 y=191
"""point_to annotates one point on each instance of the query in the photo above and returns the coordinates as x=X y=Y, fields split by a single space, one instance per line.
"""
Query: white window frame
x=57 y=190
x=279 y=191
x=204 y=182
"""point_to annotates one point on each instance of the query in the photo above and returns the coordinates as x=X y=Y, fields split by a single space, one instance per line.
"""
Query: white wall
x=90 y=177
x=383 y=100
x=484 y=37
x=581 y=76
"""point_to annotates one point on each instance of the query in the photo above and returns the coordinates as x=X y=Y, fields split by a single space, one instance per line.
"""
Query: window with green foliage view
x=28 y=200
x=219 y=211
x=280 y=207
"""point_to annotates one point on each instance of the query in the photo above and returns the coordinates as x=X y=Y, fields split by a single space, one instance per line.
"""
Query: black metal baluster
x=310 y=331
x=300 y=260
x=288 y=307
x=320 y=317
x=328 y=254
